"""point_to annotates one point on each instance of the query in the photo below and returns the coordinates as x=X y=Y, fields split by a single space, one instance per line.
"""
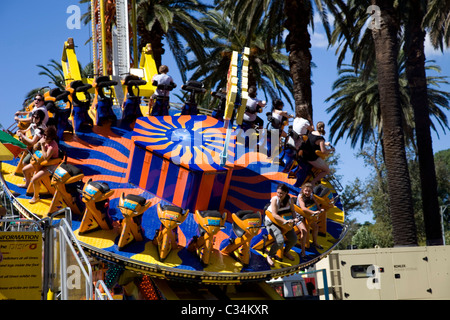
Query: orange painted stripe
x=207 y=123
x=108 y=133
x=127 y=175
x=145 y=169
x=156 y=121
x=225 y=190
x=180 y=188
x=160 y=147
x=250 y=157
x=186 y=158
x=146 y=132
x=204 y=192
x=118 y=192
x=181 y=238
x=215 y=155
x=174 y=153
x=220 y=236
x=106 y=178
x=168 y=120
x=162 y=178
x=151 y=139
x=106 y=150
x=202 y=161
x=182 y=121
x=99 y=163
x=252 y=194
x=199 y=125
x=243 y=205
x=279 y=176
x=147 y=125
x=210 y=146
x=215 y=132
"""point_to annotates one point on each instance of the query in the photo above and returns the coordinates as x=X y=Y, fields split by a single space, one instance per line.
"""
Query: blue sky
x=33 y=32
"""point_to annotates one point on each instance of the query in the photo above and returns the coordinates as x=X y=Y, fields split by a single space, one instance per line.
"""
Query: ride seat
x=78 y=86
x=38 y=162
x=209 y=214
x=67 y=181
x=104 y=81
x=138 y=199
x=244 y=215
x=133 y=81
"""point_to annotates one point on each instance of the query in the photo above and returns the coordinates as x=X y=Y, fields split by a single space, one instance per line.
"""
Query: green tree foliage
x=356 y=104
x=364 y=238
x=268 y=67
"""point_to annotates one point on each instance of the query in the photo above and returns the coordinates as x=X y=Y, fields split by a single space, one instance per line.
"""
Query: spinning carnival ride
x=178 y=197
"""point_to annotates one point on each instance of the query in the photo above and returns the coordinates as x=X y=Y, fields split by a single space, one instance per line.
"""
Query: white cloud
x=319 y=40
x=318 y=36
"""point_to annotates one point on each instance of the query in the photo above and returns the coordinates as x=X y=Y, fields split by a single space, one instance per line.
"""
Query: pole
x=443 y=208
x=102 y=22
x=325 y=284
x=94 y=36
x=134 y=24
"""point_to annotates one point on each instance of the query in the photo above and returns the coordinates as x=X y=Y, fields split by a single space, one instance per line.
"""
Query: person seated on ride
x=278 y=118
x=161 y=106
x=38 y=105
x=300 y=127
x=219 y=111
x=280 y=205
x=36 y=128
x=316 y=142
x=307 y=202
x=254 y=105
x=50 y=150
x=294 y=142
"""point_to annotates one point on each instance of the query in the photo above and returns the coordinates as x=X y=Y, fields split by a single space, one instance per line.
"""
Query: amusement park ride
x=178 y=198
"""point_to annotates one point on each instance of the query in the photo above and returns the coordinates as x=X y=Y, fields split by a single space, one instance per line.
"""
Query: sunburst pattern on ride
x=195 y=142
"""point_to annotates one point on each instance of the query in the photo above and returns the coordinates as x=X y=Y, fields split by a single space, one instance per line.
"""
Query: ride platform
x=175 y=160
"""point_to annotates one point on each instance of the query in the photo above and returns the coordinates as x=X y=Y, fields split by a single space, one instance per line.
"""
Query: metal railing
x=101 y=291
x=67 y=269
x=324 y=290
x=19 y=225
x=66 y=241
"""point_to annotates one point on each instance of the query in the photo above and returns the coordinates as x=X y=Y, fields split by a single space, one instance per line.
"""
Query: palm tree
x=54 y=71
x=415 y=71
x=295 y=16
x=56 y=75
x=268 y=67
x=386 y=52
x=415 y=16
x=176 y=20
x=437 y=21
x=357 y=111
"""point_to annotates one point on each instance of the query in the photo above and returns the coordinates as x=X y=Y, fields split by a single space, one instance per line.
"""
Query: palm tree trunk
x=298 y=44
x=399 y=184
x=415 y=72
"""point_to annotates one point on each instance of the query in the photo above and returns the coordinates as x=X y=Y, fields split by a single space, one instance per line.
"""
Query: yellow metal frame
x=147 y=63
x=232 y=85
x=69 y=63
